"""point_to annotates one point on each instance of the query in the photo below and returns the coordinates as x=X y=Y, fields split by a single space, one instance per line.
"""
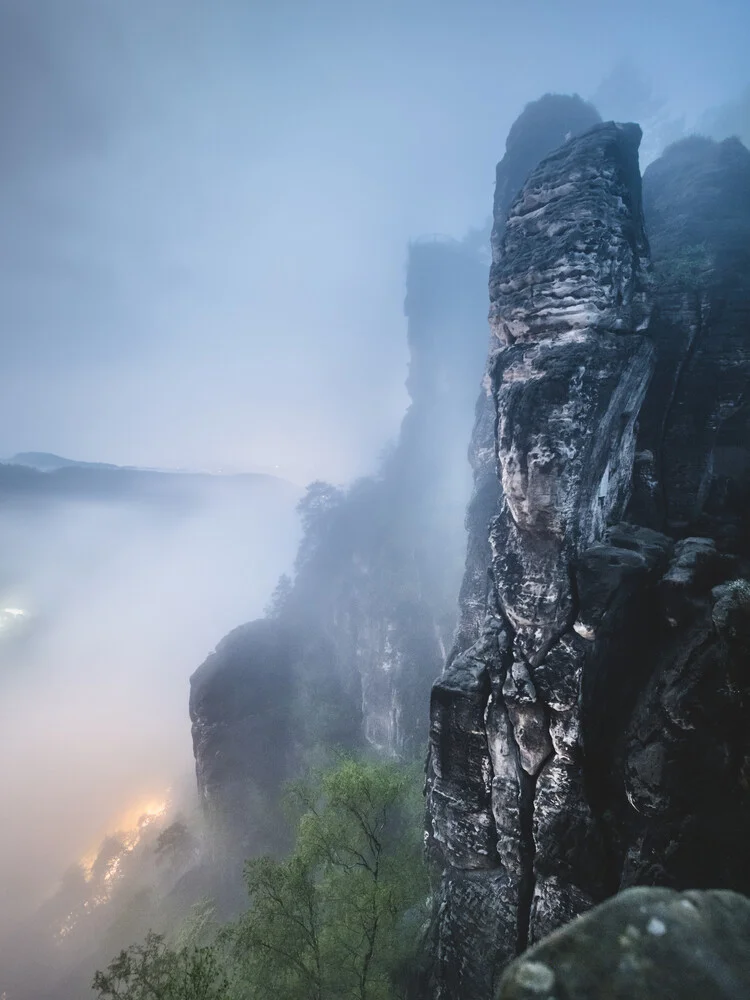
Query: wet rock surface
x=590 y=734
x=542 y=127
x=693 y=443
x=649 y=944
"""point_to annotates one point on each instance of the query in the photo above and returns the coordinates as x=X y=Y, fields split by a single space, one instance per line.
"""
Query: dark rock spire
x=568 y=369
x=542 y=127
x=590 y=730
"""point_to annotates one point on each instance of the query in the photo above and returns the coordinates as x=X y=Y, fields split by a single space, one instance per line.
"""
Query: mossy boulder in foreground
x=643 y=944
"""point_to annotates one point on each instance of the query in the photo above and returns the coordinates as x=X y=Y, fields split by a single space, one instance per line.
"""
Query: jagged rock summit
x=592 y=733
x=569 y=354
x=372 y=610
x=542 y=127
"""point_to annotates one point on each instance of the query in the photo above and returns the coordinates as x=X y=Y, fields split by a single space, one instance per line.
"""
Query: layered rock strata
x=542 y=127
x=593 y=736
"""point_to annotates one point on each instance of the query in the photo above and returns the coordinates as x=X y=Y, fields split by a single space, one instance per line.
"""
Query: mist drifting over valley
x=121 y=599
x=245 y=247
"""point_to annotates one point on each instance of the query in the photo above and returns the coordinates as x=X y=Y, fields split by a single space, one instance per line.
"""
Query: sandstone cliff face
x=694 y=440
x=352 y=646
x=593 y=736
x=542 y=127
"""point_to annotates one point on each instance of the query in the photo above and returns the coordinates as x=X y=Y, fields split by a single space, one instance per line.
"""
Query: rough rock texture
x=694 y=441
x=542 y=127
x=649 y=944
x=353 y=645
x=594 y=734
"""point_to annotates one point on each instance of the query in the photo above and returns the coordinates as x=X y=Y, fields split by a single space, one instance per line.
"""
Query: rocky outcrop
x=351 y=646
x=694 y=446
x=646 y=943
x=239 y=712
x=542 y=127
x=593 y=736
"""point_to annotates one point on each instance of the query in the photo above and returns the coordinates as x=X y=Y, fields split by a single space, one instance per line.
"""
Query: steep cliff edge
x=594 y=736
x=239 y=709
x=693 y=464
x=353 y=644
x=541 y=127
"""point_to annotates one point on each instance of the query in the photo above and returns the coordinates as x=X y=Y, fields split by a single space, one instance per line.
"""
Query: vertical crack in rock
x=526 y=834
x=569 y=367
x=539 y=130
x=615 y=657
x=693 y=333
x=524 y=736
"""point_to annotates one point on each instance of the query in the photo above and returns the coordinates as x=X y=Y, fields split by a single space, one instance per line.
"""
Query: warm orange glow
x=141 y=815
x=130 y=824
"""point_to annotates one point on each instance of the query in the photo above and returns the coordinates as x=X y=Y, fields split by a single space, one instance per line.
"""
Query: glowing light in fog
x=9 y=616
x=130 y=825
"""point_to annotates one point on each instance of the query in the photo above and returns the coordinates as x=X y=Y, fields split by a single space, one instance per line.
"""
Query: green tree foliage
x=152 y=971
x=275 y=946
x=200 y=927
x=339 y=919
x=279 y=597
x=339 y=916
x=316 y=510
x=175 y=844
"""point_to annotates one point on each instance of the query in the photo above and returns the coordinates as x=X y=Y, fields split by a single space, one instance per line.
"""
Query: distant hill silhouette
x=39 y=476
x=45 y=461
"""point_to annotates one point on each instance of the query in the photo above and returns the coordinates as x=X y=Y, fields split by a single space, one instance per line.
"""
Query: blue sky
x=206 y=206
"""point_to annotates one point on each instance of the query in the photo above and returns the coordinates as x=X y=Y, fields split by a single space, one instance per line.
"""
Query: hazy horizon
x=207 y=208
x=123 y=601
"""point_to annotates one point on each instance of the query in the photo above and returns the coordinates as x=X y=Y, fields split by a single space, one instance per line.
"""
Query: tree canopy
x=340 y=918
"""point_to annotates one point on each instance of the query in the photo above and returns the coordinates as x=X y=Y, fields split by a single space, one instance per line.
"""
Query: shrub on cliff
x=332 y=919
x=340 y=916
x=153 y=971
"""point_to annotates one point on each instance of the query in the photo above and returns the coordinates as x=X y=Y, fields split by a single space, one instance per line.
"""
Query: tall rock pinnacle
x=569 y=367
x=590 y=729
